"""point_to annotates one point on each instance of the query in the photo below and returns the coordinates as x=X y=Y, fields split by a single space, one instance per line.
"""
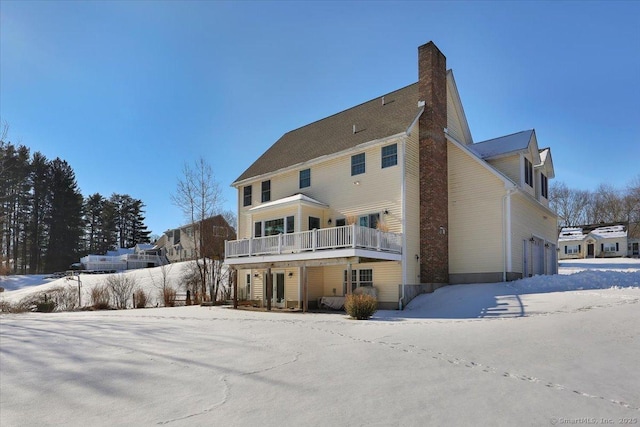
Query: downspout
x=403 y=194
x=506 y=232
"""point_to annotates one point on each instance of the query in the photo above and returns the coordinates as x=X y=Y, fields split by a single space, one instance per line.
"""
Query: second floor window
x=246 y=196
x=389 y=155
x=544 y=186
x=528 y=172
x=266 y=191
x=357 y=164
x=305 y=178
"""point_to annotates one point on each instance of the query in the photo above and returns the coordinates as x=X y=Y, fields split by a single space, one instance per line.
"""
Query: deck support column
x=305 y=290
x=349 y=285
x=269 y=288
x=234 y=279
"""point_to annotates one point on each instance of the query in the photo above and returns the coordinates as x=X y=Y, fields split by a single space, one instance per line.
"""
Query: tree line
x=45 y=222
x=605 y=204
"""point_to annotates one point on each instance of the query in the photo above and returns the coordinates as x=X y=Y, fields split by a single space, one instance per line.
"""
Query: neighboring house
x=595 y=241
x=393 y=194
x=140 y=256
x=182 y=243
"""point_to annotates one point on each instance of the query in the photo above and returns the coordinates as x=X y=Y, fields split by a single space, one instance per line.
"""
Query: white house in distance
x=392 y=194
x=595 y=241
x=141 y=255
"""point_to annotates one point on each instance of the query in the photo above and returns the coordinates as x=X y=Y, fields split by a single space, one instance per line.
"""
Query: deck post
x=234 y=278
x=349 y=279
x=305 y=290
x=353 y=236
x=269 y=288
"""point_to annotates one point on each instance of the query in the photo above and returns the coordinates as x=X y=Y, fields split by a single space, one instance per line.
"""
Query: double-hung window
x=266 y=191
x=572 y=249
x=610 y=247
x=357 y=164
x=305 y=178
x=362 y=277
x=246 y=196
x=389 y=155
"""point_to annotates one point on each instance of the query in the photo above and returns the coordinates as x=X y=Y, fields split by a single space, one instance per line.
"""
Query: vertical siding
x=475 y=216
x=529 y=219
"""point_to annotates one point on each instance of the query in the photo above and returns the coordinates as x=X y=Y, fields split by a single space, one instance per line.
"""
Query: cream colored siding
x=529 y=219
x=386 y=278
x=454 y=121
x=315 y=283
x=509 y=166
x=475 y=215
x=412 y=206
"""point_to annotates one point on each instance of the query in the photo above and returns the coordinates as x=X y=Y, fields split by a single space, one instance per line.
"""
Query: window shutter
x=579 y=248
x=601 y=247
x=617 y=246
x=565 y=249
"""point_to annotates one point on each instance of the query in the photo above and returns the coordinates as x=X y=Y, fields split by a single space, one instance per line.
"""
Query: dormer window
x=544 y=186
x=528 y=172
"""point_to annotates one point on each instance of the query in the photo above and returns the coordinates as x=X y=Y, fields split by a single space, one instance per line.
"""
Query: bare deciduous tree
x=199 y=196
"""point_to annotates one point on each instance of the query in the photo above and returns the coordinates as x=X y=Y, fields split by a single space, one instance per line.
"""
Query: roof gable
x=457 y=125
x=381 y=117
x=505 y=145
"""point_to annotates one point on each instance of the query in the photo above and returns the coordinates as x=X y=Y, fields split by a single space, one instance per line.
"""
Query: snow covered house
x=392 y=194
x=594 y=241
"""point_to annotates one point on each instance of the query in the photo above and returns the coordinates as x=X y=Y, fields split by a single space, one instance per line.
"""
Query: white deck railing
x=348 y=236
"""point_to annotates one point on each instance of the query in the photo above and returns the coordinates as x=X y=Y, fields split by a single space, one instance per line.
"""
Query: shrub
x=100 y=297
x=45 y=305
x=65 y=298
x=140 y=298
x=120 y=287
x=360 y=307
x=169 y=296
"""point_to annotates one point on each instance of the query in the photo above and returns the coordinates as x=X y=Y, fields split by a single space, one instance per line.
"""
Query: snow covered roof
x=571 y=233
x=297 y=198
x=503 y=145
x=611 y=232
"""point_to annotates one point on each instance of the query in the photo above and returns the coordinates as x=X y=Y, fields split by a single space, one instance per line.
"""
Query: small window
x=357 y=164
x=247 y=196
x=544 y=186
x=528 y=172
x=305 y=178
x=266 y=191
x=389 y=155
x=314 y=223
x=290 y=224
x=341 y=222
x=354 y=281
x=257 y=229
x=610 y=247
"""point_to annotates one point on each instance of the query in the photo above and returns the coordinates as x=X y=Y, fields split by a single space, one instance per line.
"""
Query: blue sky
x=127 y=92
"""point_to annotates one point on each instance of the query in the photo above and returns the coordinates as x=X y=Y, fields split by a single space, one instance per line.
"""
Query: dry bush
x=360 y=307
x=100 y=297
x=120 y=287
x=65 y=298
x=168 y=295
x=140 y=298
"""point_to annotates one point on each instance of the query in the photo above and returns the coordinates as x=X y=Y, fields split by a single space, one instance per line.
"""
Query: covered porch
x=285 y=261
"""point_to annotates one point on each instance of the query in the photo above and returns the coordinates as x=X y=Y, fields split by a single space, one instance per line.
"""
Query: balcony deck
x=333 y=242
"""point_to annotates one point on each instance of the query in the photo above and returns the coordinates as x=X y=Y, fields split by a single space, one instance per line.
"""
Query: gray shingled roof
x=502 y=145
x=335 y=133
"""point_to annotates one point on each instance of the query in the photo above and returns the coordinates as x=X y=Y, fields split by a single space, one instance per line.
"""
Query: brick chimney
x=434 y=217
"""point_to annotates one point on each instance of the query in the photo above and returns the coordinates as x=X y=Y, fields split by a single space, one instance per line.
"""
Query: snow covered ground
x=539 y=351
